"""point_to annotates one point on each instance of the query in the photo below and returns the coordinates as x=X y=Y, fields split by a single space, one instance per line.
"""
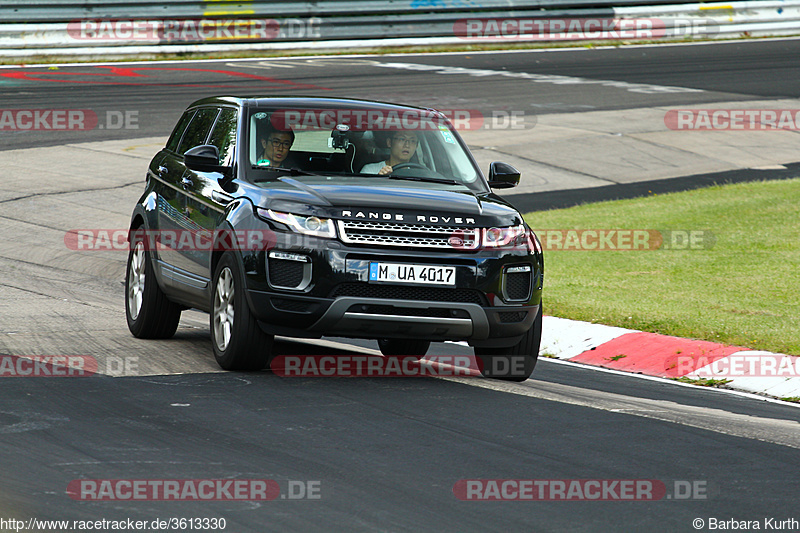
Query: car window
x=180 y=128
x=198 y=129
x=224 y=135
x=358 y=143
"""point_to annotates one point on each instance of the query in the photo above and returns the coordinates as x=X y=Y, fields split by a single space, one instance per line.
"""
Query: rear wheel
x=515 y=363
x=238 y=341
x=404 y=347
x=149 y=313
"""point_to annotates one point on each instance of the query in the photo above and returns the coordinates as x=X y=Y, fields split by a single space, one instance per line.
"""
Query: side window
x=224 y=135
x=198 y=129
x=177 y=133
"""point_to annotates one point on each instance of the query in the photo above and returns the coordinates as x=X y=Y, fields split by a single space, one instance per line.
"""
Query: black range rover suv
x=306 y=217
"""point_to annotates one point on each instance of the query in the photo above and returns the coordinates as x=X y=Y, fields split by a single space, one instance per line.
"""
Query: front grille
x=283 y=273
x=395 y=292
x=518 y=285
x=410 y=235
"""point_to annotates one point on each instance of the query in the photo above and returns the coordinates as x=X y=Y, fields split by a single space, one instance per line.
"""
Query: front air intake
x=517 y=283
x=289 y=271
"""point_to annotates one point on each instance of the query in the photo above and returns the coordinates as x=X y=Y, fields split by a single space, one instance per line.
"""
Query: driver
x=403 y=145
x=275 y=147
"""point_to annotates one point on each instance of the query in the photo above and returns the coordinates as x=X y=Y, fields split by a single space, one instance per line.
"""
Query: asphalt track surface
x=158 y=92
x=386 y=453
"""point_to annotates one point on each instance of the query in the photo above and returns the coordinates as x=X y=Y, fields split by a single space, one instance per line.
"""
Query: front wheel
x=515 y=363
x=149 y=313
x=239 y=343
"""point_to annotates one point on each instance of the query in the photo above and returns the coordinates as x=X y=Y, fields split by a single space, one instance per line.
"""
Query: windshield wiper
x=446 y=181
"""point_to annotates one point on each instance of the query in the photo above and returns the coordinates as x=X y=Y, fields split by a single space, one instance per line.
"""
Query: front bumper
x=334 y=297
x=374 y=318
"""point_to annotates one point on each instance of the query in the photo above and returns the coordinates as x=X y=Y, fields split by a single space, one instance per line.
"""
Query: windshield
x=356 y=145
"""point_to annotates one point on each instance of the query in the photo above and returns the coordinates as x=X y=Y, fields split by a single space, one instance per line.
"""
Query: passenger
x=403 y=145
x=275 y=148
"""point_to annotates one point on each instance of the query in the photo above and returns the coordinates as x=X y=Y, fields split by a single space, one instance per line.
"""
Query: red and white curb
x=629 y=350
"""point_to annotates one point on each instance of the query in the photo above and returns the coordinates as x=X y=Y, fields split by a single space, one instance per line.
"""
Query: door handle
x=163 y=170
x=186 y=182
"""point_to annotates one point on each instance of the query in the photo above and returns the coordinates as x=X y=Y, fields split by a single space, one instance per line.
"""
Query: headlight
x=508 y=236
x=307 y=225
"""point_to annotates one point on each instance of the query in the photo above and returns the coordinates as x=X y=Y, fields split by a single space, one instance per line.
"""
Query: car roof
x=311 y=102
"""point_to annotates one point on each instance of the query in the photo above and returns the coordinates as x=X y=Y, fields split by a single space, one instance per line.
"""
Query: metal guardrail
x=28 y=11
x=30 y=27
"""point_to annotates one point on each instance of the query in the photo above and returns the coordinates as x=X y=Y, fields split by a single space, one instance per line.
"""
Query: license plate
x=425 y=274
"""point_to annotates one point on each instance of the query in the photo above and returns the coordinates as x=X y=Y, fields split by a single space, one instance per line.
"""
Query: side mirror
x=503 y=176
x=204 y=158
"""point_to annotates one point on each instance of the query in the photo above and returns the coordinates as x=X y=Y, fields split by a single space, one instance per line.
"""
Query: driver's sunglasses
x=410 y=140
x=277 y=144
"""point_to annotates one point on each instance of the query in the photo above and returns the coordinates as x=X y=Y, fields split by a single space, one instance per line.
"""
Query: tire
x=149 y=313
x=238 y=341
x=505 y=363
x=404 y=347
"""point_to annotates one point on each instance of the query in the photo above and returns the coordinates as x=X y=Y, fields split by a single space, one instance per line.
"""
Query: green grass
x=743 y=290
x=704 y=382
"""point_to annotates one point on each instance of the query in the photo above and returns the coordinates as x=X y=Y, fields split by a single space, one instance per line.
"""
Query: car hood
x=390 y=203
